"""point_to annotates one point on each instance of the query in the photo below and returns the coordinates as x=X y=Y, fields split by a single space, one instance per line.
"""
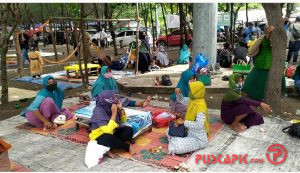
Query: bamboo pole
x=91 y=19
x=137 y=39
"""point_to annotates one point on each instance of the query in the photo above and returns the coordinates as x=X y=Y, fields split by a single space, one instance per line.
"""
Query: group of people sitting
x=187 y=104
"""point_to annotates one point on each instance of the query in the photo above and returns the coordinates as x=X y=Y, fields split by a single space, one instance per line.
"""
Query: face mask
x=253 y=37
x=108 y=75
x=239 y=87
x=52 y=87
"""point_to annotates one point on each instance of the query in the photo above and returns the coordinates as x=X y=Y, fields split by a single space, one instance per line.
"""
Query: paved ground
x=41 y=153
x=17 y=93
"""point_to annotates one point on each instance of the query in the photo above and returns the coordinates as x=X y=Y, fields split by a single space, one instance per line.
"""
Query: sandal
x=225 y=78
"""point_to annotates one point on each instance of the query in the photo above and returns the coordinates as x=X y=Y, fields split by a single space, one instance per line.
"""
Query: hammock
x=67 y=58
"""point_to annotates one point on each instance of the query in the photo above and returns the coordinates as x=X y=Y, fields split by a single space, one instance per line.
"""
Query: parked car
x=94 y=34
x=128 y=36
x=173 y=39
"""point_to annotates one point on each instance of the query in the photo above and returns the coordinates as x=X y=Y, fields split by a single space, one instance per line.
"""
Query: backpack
x=290 y=71
x=293 y=130
x=165 y=80
x=296 y=33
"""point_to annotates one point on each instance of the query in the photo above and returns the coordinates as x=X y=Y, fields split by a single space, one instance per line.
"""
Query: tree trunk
x=84 y=43
x=97 y=14
x=234 y=21
x=108 y=14
x=171 y=7
x=53 y=40
x=247 y=19
x=79 y=55
x=231 y=24
x=18 y=52
x=165 y=23
x=289 y=9
x=4 y=49
x=226 y=28
x=152 y=24
x=146 y=10
x=182 y=41
x=278 y=41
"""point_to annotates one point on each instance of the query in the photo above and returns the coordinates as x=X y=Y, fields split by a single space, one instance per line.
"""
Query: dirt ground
x=289 y=104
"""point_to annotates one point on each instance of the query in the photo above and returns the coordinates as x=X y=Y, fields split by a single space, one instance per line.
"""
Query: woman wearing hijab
x=236 y=109
x=255 y=83
x=47 y=106
x=296 y=78
x=162 y=56
x=106 y=82
x=197 y=122
x=181 y=94
x=184 y=55
x=36 y=61
x=105 y=122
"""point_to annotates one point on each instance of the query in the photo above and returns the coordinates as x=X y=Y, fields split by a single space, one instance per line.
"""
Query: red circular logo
x=277 y=150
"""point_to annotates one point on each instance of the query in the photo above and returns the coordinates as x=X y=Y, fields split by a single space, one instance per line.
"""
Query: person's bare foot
x=234 y=127
x=238 y=127
x=111 y=155
x=147 y=101
x=242 y=127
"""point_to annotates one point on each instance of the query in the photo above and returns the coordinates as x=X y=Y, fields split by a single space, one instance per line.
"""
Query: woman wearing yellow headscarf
x=197 y=122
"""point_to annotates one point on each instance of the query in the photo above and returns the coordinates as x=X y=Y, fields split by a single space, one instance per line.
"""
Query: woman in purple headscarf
x=105 y=122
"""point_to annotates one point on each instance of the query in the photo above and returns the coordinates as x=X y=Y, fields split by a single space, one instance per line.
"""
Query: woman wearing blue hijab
x=184 y=55
x=106 y=82
x=46 y=108
x=182 y=90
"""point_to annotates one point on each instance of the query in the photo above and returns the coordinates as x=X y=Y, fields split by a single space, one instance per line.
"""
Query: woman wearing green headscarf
x=235 y=108
x=255 y=83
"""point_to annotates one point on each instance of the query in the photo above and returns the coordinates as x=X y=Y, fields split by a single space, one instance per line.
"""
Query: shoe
x=294 y=63
x=61 y=119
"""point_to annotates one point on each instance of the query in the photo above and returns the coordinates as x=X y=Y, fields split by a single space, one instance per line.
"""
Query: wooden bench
x=75 y=69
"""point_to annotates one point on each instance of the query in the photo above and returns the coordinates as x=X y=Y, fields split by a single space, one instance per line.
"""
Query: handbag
x=241 y=67
x=293 y=130
x=205 y=79
x=165 y=80
x=180 y=131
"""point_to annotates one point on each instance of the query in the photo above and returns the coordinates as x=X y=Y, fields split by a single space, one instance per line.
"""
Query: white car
x=128 y=36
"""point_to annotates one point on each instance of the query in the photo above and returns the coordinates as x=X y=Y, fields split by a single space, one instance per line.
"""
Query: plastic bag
x=200 y=62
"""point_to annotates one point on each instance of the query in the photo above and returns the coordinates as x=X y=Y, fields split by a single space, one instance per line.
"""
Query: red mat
x=16 y=167
x=140 y=149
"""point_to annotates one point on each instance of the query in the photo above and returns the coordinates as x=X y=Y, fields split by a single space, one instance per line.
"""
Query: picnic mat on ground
x=62 y=84
x=143 y=143
x=72 y=79
x=16 y=167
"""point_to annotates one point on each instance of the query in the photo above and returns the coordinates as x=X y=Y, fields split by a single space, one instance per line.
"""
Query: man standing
x=294 y=45
x=24 y=44
x=101 y=38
